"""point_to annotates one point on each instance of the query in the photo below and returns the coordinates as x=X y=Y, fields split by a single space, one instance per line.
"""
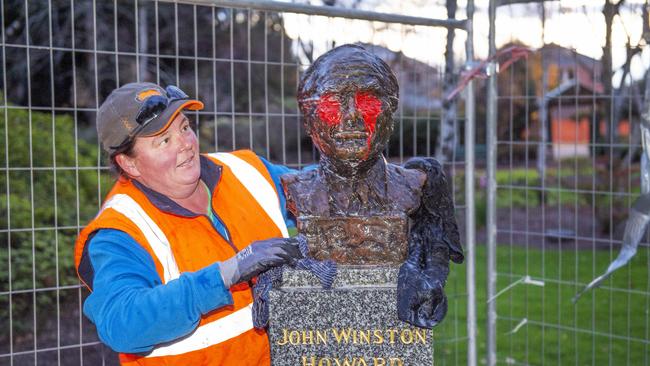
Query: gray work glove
x=258 y=257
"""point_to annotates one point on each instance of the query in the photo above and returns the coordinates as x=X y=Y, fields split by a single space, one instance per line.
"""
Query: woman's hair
x=126 y=149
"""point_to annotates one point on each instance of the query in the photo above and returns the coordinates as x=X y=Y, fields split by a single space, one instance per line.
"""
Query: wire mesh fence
x=568 y=155
x=61 y=59
x=567 y=158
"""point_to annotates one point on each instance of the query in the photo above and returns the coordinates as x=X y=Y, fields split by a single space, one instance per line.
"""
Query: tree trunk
x=448 y=136
x=619 y=98
x=609 y=12
x=645 y=125
x=638 y=101
x=143 y=59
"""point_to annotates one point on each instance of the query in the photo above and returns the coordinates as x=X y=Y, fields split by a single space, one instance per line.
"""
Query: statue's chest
x=377 y=239
x=366 y=223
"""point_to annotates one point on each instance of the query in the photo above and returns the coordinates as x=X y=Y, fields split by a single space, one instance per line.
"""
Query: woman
x=169 y=257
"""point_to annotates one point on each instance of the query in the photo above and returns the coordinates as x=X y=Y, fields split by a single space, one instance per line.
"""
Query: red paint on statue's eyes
x=370 y=107
x=329 y=109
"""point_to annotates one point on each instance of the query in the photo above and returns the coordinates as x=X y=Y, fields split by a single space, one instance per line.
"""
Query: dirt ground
x=566 y=227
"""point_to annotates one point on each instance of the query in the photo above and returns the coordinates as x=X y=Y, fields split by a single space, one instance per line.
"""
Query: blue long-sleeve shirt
x=131 y=308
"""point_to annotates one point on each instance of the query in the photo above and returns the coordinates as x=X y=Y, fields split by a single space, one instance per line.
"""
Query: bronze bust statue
x=357 y=209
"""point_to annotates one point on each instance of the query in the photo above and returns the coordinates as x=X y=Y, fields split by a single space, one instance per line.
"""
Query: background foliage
x=41 y=182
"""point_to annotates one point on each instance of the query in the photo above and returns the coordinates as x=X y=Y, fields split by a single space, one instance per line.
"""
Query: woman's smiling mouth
x=186 y=162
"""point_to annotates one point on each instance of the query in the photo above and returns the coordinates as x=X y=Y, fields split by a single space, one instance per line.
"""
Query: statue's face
x=349 y=121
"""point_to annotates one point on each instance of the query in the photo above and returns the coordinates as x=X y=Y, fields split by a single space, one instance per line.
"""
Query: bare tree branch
x=510 y=2
x=447 y=140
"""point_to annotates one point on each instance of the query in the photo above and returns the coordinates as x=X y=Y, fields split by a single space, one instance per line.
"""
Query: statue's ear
x=307 y=122
x=305 y=110
x=393 y=101
x=307 y=119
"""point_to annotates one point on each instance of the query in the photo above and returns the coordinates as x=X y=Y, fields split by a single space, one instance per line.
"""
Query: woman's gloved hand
x=258 y=257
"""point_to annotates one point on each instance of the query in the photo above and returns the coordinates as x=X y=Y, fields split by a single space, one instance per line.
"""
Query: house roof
x=575 y=90
x=562 y=56
x=419 y=82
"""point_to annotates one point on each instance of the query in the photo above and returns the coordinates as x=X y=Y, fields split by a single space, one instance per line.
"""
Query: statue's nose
x=352 y=118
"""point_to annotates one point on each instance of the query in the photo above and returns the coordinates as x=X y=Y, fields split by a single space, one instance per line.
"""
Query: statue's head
x=348 y=97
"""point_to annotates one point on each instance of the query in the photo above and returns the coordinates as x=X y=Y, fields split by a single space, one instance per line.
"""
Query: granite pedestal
x=355 y=323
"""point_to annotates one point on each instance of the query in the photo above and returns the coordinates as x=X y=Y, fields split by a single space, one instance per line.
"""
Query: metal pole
x=328 y=11
x=491 y=193
x=543 y=115
x=470 y=215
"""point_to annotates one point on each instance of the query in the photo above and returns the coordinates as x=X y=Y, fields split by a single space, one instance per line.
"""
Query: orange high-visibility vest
x=246 y=201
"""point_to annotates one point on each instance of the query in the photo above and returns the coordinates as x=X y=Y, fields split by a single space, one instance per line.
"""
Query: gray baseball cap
x=130 y=111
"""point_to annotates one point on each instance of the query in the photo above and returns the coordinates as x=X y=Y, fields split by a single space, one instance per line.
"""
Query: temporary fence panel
x=61 y=59
x=566 y=165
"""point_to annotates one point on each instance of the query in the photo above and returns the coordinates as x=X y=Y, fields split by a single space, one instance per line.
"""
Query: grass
x=610 y=325
x=540 y=325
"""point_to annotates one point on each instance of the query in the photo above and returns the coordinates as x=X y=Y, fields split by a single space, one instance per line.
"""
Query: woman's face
x=168 y=162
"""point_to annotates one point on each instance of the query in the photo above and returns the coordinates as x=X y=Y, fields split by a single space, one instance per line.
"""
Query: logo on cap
x=146 y=94
x=128 y=125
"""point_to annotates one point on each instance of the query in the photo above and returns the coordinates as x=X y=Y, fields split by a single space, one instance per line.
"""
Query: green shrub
x=41 y=199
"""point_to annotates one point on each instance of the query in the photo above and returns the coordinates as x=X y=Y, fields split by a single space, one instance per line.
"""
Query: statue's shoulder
x=413 y=179
x=405 y=187
x=301 y=177
x=305 y=192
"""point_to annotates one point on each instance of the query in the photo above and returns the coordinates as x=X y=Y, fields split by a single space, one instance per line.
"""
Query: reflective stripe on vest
x=257 y=186
x=128 y=207
x=210 y=334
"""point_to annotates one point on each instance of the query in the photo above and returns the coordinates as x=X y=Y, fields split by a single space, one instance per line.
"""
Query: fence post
x=470 y=215
x=491 y=158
